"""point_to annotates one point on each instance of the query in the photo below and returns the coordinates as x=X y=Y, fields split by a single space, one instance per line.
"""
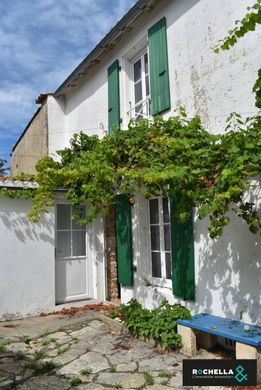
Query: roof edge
x=114 y=33
x=13 y=183
x=26 y=128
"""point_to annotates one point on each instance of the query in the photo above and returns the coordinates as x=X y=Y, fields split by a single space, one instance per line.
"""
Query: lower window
x=160 y=238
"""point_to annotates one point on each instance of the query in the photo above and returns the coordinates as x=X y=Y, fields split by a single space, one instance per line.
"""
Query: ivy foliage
x=159 y=324
x=203 y=170
x=243 y=26
x=21 y=193
x=17 y=193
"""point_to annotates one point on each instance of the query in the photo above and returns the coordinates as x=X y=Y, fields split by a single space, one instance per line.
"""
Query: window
x=160 y=239
x=70 y=236
x=141 y=87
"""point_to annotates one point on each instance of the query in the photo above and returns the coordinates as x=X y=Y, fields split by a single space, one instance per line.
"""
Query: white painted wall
x=212 y=85
x=26 y=261
x=227 y=269
x=58 y=136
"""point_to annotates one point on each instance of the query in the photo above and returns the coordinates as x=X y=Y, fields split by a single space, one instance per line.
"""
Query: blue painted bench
x=224 y=327
x=247 y=337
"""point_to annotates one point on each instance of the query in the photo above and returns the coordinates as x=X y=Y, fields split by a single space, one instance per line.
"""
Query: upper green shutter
x=124 y=240
x=183 y=273
x=113 y=96
x=159 y=71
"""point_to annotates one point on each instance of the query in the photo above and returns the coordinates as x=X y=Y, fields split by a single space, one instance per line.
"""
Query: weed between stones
x=86 y=372
x=25 y=339
x=148 y=378
x=19 y=355
x=75 y=380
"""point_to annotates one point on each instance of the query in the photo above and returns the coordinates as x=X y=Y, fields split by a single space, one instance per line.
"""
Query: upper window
x=70 y=236
x=141 y=88
x=160 y=240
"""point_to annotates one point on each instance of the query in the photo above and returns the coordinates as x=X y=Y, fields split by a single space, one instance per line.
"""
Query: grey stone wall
x=32 y=146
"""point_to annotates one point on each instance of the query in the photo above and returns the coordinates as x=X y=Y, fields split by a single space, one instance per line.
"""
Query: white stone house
x=157 y=57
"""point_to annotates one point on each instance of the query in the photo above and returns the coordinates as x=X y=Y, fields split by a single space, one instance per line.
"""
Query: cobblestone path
x=88 y=355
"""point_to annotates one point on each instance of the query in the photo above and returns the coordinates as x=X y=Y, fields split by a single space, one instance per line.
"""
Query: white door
x=71 y=274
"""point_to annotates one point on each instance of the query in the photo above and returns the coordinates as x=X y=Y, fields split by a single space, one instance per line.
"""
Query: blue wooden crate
x=224 y=327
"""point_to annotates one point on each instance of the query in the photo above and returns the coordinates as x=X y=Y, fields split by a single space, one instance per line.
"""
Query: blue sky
x=41 y=42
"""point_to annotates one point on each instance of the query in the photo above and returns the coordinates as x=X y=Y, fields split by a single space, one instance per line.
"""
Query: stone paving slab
x=85 y=352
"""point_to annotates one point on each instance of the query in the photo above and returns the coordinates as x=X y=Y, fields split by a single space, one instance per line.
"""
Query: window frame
x=133 y=52
x=163 y=281
x=145 y=98
x=71 y=230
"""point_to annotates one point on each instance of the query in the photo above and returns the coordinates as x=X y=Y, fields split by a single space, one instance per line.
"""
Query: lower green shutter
x=124 y=240
x=113 y=97
x=183 y=272
x=159 y=71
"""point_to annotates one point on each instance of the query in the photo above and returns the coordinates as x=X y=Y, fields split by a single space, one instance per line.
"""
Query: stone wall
x=110 y=236
x=32 y=145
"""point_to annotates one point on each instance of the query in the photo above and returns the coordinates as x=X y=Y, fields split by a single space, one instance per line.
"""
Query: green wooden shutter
x=124 y=240
x=113 y=96
x=182 y=240
x=159 y=72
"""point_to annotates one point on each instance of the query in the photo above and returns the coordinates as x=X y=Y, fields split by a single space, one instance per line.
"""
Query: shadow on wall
x=16 y=221
x=229 y=272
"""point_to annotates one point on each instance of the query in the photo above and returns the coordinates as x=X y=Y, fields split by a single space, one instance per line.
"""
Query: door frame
x=78 y=297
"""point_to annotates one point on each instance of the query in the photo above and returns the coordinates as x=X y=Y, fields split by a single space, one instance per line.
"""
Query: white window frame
x=71 y=230
x=163 y=281
x=145 y=99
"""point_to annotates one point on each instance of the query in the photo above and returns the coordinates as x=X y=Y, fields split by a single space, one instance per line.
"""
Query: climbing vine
x=23 y=193
x=206 y=171
x=19 y=193
x=203 y=170
x=243 y=26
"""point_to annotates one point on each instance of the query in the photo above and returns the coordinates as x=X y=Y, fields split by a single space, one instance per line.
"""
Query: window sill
x=72 y=258
x=161 y=283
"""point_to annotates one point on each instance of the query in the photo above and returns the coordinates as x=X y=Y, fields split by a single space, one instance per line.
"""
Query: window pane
x=155 y=238
x=138 y=112
x=79 y=248
x=138 y=109
x=167 y=237
x=147 y=86
x=63 y=216
x=146 y=63
x=168 y=265
x=82 y=215
x=165 y=210
x=137 y=70
x=63 y=244
x=154 y=211
x=156 y=264
x=138 y=92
